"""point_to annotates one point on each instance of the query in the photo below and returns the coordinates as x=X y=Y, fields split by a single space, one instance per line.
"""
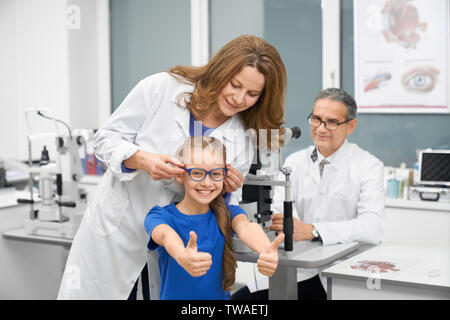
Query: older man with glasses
x=337 y=189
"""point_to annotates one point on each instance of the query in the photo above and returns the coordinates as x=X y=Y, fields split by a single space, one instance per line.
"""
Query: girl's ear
x=179 y=178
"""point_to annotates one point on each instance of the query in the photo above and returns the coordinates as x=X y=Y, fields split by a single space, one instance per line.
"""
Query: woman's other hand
x=233 y=181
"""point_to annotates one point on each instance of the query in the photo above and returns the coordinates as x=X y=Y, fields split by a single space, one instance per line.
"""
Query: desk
x=28 y=269
x=306 y=254
x=427 y=222
x=46 y=264
x=421 y=272
x=30 y=266
x=419 y=205
x=20 y=234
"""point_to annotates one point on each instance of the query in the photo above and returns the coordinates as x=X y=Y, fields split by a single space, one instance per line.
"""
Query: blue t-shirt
x=196 y=128
x=176 y=283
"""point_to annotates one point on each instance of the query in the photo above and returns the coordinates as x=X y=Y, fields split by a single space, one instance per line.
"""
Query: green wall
x=151 y=36
x=295 y=29
x=147 y=36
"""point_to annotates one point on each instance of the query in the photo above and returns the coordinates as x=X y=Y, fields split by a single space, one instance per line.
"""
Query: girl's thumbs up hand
x=192 y=244
x=268 y=259
x=194 y=262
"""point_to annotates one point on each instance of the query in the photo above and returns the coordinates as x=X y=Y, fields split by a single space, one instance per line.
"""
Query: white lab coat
x=345 y=205
x=109 y=249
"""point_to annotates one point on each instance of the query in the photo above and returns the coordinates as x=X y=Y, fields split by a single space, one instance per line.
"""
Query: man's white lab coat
x=345 y=205
x=109 y=249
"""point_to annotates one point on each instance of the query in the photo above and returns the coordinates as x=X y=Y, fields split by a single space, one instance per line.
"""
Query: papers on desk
x=388 y=269
x=419 y=265
x=368 y=264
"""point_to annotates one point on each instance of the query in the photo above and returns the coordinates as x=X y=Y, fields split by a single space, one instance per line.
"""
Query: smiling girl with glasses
x=194 y=237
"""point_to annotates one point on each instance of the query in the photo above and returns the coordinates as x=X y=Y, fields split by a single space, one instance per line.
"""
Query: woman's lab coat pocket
x=106 y=210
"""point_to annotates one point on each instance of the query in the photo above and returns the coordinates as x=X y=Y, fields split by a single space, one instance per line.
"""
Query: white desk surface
x=422 y=205
x=420 y=266
x=22 y=235
x=306 y=254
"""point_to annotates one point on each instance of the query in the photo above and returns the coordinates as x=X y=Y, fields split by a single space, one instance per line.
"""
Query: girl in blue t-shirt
x=194 y=237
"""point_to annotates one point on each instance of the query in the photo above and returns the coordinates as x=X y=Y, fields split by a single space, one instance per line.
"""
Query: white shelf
x=423 y=205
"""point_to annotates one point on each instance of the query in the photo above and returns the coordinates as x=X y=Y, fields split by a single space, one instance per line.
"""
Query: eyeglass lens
x=200 y=174
x=316 y=122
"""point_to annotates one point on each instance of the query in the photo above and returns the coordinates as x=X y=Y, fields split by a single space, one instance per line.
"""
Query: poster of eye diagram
x=402 y=56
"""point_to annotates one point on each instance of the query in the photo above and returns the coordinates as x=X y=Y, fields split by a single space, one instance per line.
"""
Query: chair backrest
x=154 y=276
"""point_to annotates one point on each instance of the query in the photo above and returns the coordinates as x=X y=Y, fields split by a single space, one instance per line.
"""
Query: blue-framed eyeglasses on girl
x=198 y=174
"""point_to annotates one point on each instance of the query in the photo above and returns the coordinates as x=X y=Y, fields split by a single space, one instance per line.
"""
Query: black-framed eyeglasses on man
x=315 y=122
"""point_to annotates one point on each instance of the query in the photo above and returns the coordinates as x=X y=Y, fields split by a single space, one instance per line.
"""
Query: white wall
x=89 y=64
x=36 y=37
x=45 y=63
x=331 y=44
x=8 y=77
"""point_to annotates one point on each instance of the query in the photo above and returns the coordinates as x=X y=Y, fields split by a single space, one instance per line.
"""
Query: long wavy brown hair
x=186 y=152
x=210 y=80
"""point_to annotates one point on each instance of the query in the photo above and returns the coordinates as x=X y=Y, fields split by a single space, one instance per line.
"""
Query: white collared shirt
x=345 y=205
x=320 y=157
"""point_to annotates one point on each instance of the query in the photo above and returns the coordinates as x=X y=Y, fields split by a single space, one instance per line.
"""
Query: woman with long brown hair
x=193 y=237
x=241 y=88
x=243 y=53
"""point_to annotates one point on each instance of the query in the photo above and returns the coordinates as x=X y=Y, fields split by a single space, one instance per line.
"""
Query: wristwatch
x=316 y=235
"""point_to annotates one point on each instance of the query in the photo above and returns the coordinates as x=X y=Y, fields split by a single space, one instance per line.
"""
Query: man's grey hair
x=340 y=95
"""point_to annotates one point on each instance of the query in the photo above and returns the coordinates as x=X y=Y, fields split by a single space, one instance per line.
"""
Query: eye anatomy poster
x=402 y=56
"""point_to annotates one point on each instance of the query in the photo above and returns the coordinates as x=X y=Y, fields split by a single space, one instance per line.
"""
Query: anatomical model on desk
x=62 y=203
